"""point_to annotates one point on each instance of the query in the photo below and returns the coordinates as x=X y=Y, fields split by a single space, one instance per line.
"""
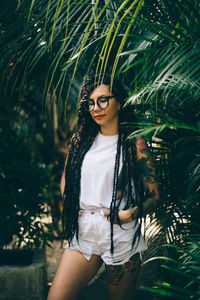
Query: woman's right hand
x=125 y=216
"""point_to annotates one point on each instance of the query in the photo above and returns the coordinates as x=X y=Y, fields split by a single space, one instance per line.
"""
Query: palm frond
x=186 y=268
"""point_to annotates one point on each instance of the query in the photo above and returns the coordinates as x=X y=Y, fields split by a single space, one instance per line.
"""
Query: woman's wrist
x=125 y=216
x=133 y=213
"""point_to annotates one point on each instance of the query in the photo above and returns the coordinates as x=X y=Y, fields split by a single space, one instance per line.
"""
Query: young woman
x=108 y=185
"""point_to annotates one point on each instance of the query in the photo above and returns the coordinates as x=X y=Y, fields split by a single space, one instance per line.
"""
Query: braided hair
x=81 y=141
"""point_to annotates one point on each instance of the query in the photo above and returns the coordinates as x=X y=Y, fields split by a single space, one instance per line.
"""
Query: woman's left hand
x=125 y=216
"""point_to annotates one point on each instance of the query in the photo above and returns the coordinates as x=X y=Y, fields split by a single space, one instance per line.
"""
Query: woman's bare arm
x=147 y=170
x=62 y=182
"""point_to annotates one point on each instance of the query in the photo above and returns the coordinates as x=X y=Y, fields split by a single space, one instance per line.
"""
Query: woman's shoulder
x=138 y=141
x=141 y=142
x=143 y=149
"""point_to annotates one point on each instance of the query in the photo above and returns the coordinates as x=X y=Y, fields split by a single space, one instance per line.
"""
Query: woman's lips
x=99 y=117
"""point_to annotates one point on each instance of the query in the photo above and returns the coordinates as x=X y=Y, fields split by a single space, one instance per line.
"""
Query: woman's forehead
x=100 y=90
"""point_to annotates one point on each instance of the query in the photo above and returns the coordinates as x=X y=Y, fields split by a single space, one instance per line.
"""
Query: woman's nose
x=96 y=107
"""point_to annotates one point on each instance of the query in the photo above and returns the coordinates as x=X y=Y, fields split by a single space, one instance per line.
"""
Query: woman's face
x=107 y=117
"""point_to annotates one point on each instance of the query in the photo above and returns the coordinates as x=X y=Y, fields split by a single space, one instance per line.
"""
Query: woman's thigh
x=122 y=279
x=73 y=273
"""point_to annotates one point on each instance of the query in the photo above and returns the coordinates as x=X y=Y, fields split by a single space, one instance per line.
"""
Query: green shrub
x=23 y=183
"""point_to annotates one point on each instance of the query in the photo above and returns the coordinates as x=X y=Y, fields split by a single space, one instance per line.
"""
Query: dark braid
x=81 y=142
x=113 y=207
x=139 y=195
x=72 y=188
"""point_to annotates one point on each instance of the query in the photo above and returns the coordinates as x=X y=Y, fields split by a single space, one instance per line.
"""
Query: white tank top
x=97 y=173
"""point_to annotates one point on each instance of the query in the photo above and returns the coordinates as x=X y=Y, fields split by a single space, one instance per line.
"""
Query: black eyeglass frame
x=99 y=105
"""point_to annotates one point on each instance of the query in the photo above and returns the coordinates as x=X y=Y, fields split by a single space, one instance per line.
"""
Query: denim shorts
x=95 y=238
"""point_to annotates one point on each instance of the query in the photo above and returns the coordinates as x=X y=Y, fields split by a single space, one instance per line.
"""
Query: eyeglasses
x=102 y=102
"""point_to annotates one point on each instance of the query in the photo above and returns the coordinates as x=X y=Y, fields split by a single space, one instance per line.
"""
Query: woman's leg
x=122 y=279
x=73 y=273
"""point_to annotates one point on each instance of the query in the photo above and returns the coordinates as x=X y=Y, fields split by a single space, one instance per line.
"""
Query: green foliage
x=23 y=182
x=69 y=32
x=185 y=271
x=164 y=60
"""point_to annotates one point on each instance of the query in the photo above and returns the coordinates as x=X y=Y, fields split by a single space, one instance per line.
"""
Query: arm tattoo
x=134 y=212
x=146 y=169
x=132 y=216
x=148 y=174
x=150 y=202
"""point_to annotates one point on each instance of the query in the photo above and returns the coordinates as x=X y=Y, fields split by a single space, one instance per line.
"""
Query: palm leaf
x=185 y=267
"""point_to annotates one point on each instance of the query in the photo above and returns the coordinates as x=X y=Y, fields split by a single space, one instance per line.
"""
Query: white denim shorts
x=94 y=238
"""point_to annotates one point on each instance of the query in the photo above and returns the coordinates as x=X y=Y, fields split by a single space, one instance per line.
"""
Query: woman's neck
x=109 y=130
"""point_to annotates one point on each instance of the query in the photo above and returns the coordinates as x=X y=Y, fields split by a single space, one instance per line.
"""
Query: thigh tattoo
x=133 y=263
x=116 y=273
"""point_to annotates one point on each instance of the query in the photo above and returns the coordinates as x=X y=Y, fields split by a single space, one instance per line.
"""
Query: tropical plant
x=23 y=181
x=69 y=31
x=166 y=80
x=46 y=128
x=185 y=270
